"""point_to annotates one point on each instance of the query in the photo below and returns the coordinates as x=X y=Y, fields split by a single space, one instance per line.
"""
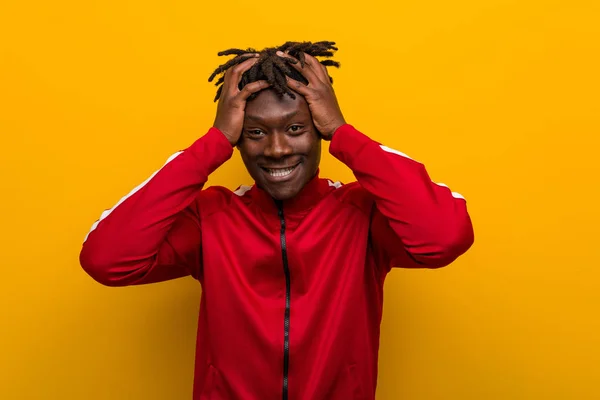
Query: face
x=280 y=145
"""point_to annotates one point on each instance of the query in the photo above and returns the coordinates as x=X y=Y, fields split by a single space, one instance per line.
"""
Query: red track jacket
x=292 y=293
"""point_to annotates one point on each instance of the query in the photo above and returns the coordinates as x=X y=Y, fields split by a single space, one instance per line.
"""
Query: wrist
x=231 y=141
x=338 y=125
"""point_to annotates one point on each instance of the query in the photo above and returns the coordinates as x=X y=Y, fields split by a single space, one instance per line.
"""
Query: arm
x=153 y=234
x=416 y=222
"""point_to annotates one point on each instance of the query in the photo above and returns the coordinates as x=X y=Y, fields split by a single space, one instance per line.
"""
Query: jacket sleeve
x=415 y=222
x=153 y=233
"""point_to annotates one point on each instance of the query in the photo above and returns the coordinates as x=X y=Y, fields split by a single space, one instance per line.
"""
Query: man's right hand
x=232 y=102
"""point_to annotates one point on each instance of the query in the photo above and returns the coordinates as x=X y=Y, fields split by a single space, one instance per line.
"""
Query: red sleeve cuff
x=347 y=143
x=213 y=148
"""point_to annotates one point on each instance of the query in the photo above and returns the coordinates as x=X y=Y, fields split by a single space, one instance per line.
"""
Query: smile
x=280 y=172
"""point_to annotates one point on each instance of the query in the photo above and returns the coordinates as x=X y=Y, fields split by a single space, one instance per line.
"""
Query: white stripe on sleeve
x=389 y=150
x=336 y=185
x=242 y=190
x=454 y=194
x=106 y=213
x=385 y=148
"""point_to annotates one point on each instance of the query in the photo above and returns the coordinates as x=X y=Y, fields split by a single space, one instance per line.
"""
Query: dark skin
x=280 y=138
x=279 y=133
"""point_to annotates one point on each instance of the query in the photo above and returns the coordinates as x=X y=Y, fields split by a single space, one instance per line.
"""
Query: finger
x=308 y=72
x=319 y=68
x=234 y=76
x=298 y=86
x=326 y=73
x=251 y=88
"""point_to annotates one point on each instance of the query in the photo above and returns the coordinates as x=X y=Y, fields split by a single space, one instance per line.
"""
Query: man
x=292 y=269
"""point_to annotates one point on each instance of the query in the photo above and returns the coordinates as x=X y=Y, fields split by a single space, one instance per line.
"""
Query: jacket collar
x=308 y=197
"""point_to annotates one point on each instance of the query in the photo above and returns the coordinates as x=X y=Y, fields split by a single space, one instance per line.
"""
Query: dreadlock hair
x=273 y=68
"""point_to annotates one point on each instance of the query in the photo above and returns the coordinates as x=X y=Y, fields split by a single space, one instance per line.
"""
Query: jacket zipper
x=286 y=321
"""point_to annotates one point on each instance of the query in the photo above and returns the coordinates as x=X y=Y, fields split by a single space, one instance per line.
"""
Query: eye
x=295 y=128
x=254 y=132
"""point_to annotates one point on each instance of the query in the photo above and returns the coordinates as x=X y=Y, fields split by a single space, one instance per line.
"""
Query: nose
x=277 y=145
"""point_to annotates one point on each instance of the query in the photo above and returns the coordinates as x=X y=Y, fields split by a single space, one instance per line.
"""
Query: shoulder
x=354 y=195
x=215 y=198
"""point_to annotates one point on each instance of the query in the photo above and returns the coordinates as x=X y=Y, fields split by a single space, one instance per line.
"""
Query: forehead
x=267 y=105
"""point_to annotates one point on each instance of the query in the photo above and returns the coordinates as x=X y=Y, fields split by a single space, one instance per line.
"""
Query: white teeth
x=280 y=171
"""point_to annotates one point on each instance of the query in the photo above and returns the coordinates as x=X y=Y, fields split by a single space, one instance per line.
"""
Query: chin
x=284 y=194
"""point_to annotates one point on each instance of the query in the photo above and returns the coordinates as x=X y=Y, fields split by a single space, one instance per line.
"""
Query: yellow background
x=499 y=99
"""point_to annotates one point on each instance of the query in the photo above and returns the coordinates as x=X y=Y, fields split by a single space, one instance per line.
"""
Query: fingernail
x=280 y=53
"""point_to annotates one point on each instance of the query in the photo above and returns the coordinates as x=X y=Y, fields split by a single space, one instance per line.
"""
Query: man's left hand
x=322 y=102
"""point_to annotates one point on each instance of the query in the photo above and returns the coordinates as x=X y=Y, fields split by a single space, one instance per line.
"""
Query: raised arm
x=154 y=233
x=416 y=222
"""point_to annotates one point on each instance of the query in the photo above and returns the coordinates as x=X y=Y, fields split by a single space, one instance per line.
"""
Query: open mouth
x=280 y=172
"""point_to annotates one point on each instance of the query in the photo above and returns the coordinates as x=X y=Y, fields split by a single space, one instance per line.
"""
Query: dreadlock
x=272 y=68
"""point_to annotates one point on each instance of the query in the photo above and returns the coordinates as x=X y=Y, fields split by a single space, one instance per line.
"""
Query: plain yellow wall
x=500 y=100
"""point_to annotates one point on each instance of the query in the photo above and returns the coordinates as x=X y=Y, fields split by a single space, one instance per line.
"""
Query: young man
x=292 y=269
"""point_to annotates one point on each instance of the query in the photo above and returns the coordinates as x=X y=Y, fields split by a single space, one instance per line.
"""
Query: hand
x=322 y=101
x=232 y=102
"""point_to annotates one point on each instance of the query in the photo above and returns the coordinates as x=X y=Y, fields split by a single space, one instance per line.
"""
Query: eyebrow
x=283 y=116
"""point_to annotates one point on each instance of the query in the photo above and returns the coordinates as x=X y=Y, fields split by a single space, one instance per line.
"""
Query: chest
x=251 y=249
